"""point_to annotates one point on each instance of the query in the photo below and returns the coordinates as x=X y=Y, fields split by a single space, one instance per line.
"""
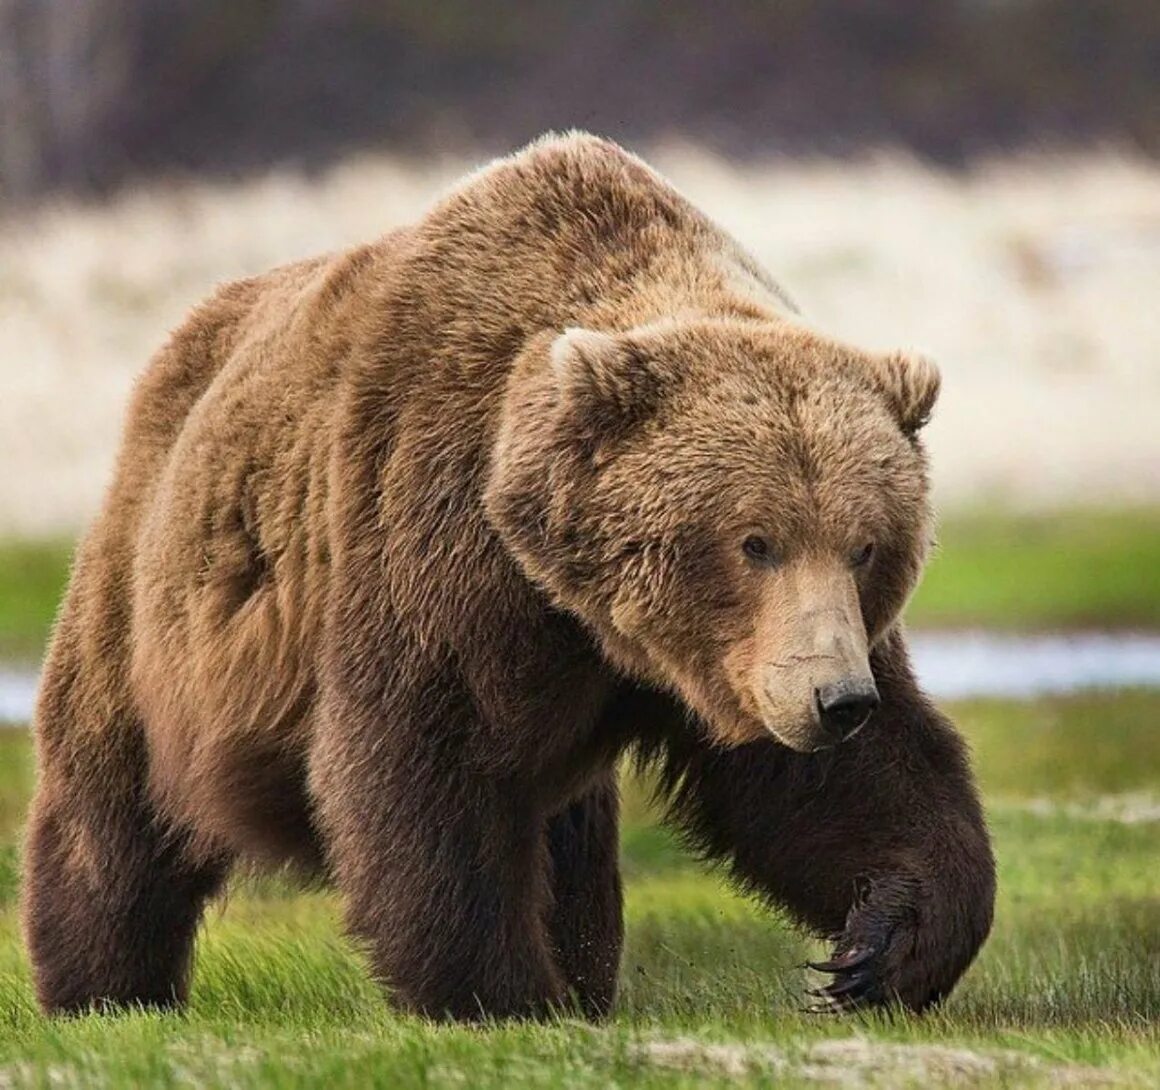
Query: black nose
x=845 y=706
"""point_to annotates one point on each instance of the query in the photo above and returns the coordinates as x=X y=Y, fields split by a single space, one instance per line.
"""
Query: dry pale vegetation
x=1032 y=281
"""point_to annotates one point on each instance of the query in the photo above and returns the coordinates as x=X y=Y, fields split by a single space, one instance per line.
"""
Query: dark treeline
x=94 y=91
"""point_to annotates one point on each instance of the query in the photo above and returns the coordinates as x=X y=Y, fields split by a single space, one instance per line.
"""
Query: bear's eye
x=759 y=550
x=861 y=557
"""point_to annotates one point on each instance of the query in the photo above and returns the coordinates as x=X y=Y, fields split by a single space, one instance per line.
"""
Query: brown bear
x=407 y=547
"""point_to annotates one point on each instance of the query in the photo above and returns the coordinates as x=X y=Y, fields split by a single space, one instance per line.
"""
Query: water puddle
x=958 y=665
x=17 y=692
x=951 y=666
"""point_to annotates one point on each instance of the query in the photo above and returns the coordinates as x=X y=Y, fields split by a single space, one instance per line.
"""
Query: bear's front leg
x=444 y=871
x=587 y=921
x=879 y=844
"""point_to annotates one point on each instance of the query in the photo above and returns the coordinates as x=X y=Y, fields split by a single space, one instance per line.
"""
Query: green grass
x=1067 y=991
x=32 y=579
x=1067 y=570
x=1020 y=572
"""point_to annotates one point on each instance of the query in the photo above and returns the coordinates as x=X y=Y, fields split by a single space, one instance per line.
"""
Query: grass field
x=1005 y=571
x=1067 y=991
x=1065 y=570
x=32 y=579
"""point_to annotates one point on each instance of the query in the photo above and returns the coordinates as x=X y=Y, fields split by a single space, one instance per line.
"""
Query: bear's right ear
x=606 y=378
x=910 y=383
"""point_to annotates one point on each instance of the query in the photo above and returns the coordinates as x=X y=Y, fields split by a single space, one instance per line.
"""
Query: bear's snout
x=813 y=685
x=845 y=706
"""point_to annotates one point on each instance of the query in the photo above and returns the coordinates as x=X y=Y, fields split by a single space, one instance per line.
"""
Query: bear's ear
x=606 y=377
x=910 y=384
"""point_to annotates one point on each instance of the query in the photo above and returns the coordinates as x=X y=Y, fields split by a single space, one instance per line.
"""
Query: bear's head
x=737 y=509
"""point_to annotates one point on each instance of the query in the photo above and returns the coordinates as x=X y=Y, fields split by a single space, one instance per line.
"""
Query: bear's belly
x=237 y=791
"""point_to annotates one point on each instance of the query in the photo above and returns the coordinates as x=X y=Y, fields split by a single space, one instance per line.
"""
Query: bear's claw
x=879 y=928
x=860 y=970
x=843 y=963
x=850 y=991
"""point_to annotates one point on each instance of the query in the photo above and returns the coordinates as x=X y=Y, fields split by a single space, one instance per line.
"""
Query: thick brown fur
x=408 y=545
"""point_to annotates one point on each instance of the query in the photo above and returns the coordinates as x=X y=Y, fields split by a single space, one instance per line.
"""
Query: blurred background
x=976 y=179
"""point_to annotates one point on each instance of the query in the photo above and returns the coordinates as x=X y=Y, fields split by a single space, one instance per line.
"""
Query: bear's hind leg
x=112 y=895
x=111 y=907
x=587 y=921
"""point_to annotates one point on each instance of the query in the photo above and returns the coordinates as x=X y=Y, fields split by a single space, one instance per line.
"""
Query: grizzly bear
x=407 y=547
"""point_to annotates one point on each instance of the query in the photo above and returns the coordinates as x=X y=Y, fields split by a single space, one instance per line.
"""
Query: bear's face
x=737 y=509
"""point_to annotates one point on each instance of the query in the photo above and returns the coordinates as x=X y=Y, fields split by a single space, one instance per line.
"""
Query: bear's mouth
x=801 y=733
x=838 y=714
x=806 y=743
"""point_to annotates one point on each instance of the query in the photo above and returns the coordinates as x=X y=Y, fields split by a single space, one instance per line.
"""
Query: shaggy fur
x=408 y=545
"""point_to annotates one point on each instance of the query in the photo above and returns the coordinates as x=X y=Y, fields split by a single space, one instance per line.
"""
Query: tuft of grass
x=1066 y=992
x=33 y=575
x=1067 y=749
x=15 y=784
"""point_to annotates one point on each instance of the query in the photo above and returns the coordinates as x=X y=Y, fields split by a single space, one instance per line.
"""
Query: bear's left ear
x=605 y=377
x=910 y=384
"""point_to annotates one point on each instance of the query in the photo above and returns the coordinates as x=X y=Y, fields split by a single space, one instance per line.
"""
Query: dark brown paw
x=857 y=982
x=870 y=957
